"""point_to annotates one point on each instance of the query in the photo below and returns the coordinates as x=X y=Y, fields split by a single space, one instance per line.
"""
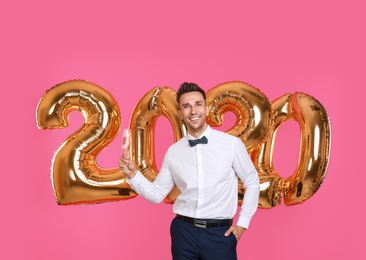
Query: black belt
x=207 y=223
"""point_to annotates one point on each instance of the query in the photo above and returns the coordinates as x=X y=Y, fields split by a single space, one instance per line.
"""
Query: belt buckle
x=200 y=223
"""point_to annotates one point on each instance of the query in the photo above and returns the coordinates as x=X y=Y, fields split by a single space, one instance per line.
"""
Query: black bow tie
x=202 y=140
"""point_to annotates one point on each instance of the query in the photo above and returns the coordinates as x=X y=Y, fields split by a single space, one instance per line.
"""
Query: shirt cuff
x=243 y=222
x=135 y=180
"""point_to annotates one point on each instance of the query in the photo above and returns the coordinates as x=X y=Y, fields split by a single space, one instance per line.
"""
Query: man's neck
x=198 y=133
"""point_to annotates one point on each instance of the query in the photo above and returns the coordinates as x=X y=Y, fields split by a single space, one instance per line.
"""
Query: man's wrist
x=132 y=174
x=241 y=228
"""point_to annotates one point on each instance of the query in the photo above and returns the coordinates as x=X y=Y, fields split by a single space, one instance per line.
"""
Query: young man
x=205 y=166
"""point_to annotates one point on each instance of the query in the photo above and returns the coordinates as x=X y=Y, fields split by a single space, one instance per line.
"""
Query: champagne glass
x=126 y=139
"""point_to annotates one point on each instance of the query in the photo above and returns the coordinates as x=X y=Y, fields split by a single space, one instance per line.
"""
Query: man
x=205 y=166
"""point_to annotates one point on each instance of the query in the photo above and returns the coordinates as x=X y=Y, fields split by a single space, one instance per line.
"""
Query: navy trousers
x=191 y=242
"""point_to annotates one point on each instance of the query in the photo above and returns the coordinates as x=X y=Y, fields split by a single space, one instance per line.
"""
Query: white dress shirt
x=207 y=176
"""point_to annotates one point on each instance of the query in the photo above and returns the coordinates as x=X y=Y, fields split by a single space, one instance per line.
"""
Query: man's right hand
x=126 y=165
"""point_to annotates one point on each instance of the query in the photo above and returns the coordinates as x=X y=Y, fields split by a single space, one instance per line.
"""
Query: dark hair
x=187 y=87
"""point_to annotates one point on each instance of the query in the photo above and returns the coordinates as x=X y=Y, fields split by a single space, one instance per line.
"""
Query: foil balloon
x=160 y=101
x=251 y=107
x=313 y=153
x=271 y=183
x=254 y=115
x=314 y=149
x=76 y=176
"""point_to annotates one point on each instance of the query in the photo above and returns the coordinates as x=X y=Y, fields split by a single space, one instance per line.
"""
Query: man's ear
x=180 y=114
x=207 y=110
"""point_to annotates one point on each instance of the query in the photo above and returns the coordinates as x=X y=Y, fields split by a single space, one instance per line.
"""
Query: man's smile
x=195 y=118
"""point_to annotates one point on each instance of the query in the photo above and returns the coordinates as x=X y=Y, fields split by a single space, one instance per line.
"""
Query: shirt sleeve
x=244 y=168
x=155 y=191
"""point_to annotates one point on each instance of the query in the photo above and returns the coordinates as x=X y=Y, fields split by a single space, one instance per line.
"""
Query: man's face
x=193 y=111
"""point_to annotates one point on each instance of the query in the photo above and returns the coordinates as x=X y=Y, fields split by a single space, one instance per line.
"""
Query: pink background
x=316 y=47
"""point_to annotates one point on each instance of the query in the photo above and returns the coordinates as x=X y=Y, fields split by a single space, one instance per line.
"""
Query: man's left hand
x=236 y=230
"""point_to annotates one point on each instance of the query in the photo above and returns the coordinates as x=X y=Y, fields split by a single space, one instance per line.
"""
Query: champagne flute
x=126 y=139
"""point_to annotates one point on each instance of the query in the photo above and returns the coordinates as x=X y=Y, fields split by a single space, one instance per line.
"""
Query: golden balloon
x=76 y=176
x=313 y=157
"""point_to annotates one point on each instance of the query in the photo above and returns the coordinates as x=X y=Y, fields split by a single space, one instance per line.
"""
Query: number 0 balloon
x=78 y=179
